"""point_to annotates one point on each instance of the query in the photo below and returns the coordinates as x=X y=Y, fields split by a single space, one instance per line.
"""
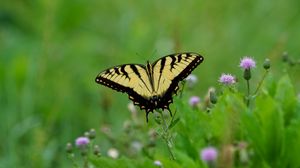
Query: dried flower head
x=227 y=79
x=113 y=153
x=247 y=63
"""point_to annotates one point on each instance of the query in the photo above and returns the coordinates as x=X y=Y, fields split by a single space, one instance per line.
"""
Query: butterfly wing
x=131 y=79
x=169 y=71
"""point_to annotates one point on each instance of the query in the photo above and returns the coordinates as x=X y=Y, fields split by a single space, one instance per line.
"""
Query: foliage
x=262 y=135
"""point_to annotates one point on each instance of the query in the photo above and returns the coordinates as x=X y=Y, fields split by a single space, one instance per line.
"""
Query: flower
x=194 y=100
x=227 y=79
x=191 y=80
x=157 y=163
x=82 y=142
x=247 y=63
x=209 y=154
x=113 y=153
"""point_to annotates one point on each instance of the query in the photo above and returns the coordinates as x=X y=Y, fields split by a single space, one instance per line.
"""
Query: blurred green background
x=51 y=51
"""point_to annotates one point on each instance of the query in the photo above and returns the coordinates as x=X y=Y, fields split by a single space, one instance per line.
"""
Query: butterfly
x=151 y=86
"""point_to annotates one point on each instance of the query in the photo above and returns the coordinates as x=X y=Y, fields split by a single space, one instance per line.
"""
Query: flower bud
x=267 y=64
x=97 y=150
x=87 y=134
x=247 y=74
x=92 y=134
x=285 y=57
x=69 y=148
x=213 y=97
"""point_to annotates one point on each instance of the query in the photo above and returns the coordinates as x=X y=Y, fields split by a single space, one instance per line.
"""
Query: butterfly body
x=152 y=86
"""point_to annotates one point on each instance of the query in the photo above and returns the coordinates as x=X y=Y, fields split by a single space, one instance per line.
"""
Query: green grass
x=51 y=51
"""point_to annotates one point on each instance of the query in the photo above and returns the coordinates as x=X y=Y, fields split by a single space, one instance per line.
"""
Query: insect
x=151 y=86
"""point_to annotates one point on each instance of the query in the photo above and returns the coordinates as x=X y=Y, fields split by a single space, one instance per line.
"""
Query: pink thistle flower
x=194 y=101
x=247 y=63
x=82 y=142
x=209 y=154
x=227 y=79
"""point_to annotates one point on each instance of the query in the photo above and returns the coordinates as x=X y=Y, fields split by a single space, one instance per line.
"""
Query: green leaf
x=265 y=128
x=286 y=96
x=292 y=145
x=173 y=123
x=185 y=161
x=123 y=162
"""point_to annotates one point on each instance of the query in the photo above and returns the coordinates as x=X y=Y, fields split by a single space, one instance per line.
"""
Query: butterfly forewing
x=125 y=78
x=170 y=69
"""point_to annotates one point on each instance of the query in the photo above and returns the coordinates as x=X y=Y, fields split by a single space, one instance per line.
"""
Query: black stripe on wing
x=167 y=98
x=137 y=99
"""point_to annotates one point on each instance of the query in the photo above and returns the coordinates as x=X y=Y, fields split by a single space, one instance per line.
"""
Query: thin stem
x=85 y=162
x=261 y=81
x=248 y=93
x=172 y=119
x=166 y=137
x=183 y=85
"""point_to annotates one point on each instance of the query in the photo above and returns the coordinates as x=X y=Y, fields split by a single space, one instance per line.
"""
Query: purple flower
x=194 y=100
x=227 y=79
x=82 y=142
x=191 y=80
x=247 y=63
x=157 y=163
x=209 y=154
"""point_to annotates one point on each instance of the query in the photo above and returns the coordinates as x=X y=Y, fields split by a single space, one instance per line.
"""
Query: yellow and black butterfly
x=152 y=86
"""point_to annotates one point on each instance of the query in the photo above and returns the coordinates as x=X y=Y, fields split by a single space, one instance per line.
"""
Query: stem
x=71 y=157
x=261 y=81
x=172 y=119
x=165 y=136
x=248 y=93
x=85 y=163
x=183 y=85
